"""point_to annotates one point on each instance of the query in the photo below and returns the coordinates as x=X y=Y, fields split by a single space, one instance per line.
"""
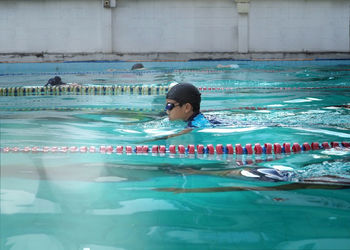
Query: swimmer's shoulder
x=201 y=121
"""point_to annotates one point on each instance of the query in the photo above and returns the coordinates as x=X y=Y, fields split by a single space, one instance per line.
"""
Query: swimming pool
x=61 y=190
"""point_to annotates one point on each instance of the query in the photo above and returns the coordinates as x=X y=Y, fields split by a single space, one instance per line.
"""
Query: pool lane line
x=285 y=59
x=64 y=109
x=82 y=90
x=112 y=71
x=138 y=110
x=107 y=72
x=200 y=149
x=135 y=90
x=269 y=88
x=219 y=59
x=116 y=72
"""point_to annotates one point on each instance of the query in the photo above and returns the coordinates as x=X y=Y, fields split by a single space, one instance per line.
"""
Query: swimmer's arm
x=185 y=131
x=223 y=66
x=73 y=84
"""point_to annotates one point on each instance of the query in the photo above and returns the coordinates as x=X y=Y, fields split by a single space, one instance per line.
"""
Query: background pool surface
x=144 y=201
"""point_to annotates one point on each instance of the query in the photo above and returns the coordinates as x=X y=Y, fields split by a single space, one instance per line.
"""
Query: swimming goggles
x=169 y=106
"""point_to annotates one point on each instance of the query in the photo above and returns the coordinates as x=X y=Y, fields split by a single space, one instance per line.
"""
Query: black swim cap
x=185 y=93
x=56 y=81
x=137 y=66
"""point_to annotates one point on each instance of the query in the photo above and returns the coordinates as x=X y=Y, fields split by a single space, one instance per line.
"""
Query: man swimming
x=57 y=82
x=290 y=178
x=183 y=103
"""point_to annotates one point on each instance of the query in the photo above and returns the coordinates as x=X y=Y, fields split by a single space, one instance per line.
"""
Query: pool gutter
x=170 y=56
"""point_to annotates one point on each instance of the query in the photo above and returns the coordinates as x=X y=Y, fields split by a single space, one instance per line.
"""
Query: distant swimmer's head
x=182 y=101
x=56 y=81
x=137 y=66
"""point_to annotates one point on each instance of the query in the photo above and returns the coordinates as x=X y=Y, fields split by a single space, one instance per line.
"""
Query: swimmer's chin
x=171 y=119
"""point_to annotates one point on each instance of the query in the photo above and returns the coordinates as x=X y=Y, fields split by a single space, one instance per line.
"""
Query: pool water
x=105 y=201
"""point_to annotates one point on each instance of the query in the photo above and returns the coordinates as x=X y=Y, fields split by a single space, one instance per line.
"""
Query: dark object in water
x=56 y=81
x=137 y=66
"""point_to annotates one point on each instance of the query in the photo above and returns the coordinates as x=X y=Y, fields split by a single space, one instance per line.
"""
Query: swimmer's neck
x=190 y=115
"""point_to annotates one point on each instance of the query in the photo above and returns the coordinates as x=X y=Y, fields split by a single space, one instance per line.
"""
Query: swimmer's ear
x=188 y=107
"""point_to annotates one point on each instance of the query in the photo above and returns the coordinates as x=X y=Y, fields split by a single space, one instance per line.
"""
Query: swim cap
x=137 y=66
x=56 y=81
x=185 y=93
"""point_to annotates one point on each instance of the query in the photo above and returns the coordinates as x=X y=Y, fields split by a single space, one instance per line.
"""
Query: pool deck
x=156 y=57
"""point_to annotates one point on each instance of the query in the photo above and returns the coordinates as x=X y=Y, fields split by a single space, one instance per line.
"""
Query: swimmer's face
x=175 y=111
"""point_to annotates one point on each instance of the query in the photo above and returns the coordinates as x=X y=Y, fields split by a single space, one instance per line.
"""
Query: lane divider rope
x=171 y=70
x=200 y=149
x=108 y=72
x=116 y=72
x=135 y=109
x=82 y=109
x=82 y=90
x=134 y=90
x=269 y=88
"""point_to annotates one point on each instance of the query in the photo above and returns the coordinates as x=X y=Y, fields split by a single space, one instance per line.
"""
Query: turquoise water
x=145 y=201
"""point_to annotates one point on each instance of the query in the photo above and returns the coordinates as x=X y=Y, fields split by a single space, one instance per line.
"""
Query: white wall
x=148 y=26
x=299 y=25
x=175 y=26
x=51 y=26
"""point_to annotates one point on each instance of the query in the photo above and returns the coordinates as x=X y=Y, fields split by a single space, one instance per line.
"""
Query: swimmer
x=273 y=174
x=345 y=106
x=183 y=103
x=264 y=174
x=137 y=66
x=57 y=81
x=283 y=187
x=230 y=66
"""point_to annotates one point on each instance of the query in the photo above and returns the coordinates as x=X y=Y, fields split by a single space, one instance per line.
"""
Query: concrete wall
x=174 y=26
x=52 y=26
x=299 y=25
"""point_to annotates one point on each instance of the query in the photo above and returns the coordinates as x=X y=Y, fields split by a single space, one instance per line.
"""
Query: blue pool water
x=59 y=200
